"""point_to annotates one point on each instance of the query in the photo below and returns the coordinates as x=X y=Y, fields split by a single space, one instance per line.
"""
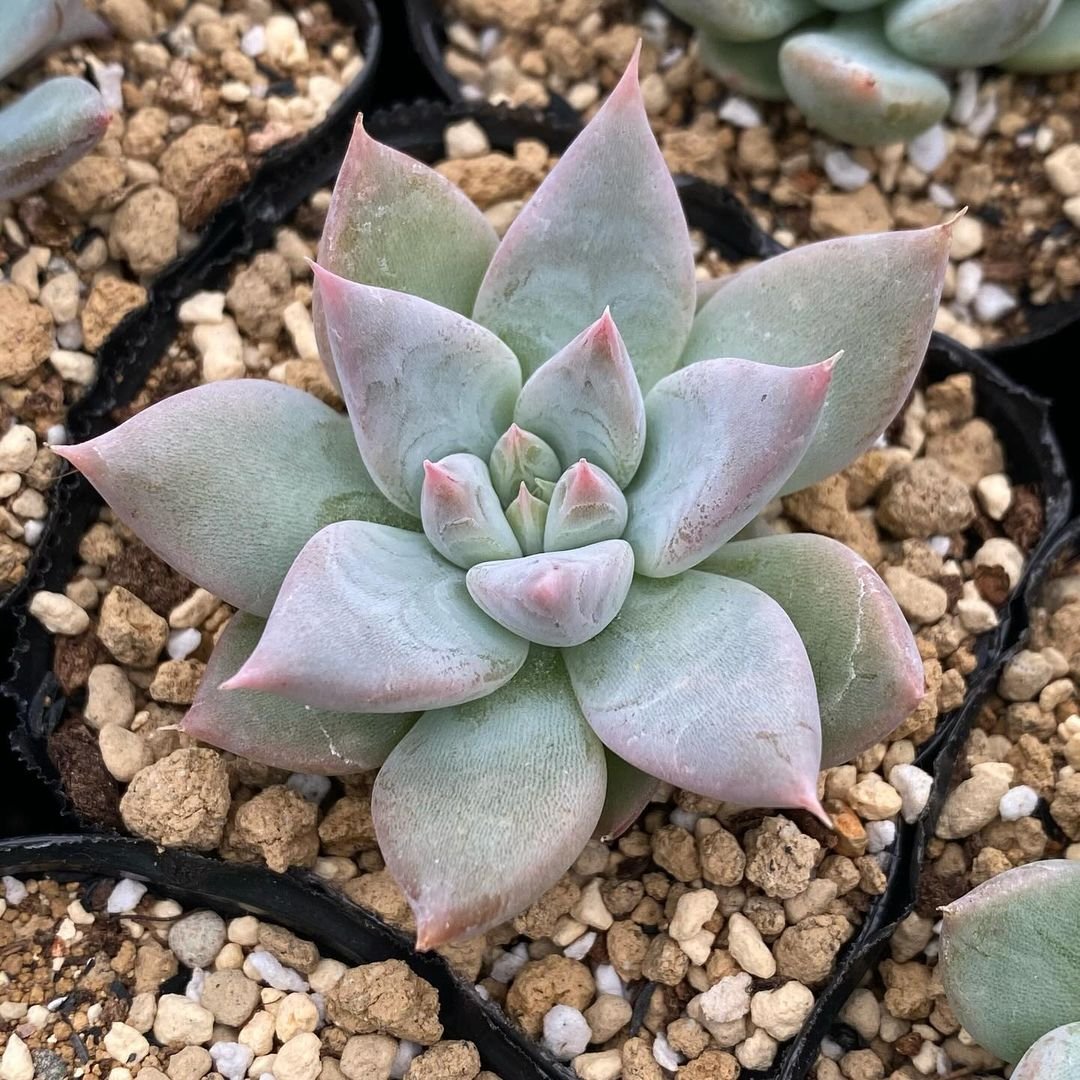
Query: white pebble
x=125 y=896
x=1018 y=802
x=941 y=196
x=32 y=531
x=182 y=643
x=193 y=990
x=482 y=992
x=983 y=118
x=232 y=1059
x=608 y=981
x=578 y=949
x=831 y=1049
x=939 y=545
x=406 y=1051
x=203 y=307
x=253 y=43
x=506 y=967
x=58 y=613
x=313 y=788
x=566 y=1032
x=969 y=277
x=274 y=973
x=740 y=112
x=844 y=171
x=685 y=819
x=995 y=494
x=914 y=785
x=993 y=302
x=14 y=890
x=69 y=335
x=665 y=1057
x=928 y=150
x=879 y=835
x=966 y=97
x=56 y=435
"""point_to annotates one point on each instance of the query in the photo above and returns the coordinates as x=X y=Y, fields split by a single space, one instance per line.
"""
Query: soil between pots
x=1020 y=420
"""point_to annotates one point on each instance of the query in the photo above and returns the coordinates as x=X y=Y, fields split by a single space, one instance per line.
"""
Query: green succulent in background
x=61 y=119
x=869 y=71
x=505 y=579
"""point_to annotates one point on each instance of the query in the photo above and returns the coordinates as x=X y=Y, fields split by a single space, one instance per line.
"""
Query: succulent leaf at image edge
x=518 y=600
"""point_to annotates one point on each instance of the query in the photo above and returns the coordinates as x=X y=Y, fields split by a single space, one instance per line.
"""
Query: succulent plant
x=867 y=71
x=519 y=599
x=59 y=120
x=1010 y=965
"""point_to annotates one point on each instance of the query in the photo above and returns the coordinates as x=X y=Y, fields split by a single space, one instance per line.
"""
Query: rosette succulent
x=518 y=598
x=61 y=119
x=868 y=71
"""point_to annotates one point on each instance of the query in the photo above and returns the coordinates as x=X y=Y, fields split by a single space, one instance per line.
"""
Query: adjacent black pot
x=1020 y=418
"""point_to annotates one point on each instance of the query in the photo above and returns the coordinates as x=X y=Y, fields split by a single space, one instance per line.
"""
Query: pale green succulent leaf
x=743 y=20
x=576 y=249
x=629 y=791
x=528 y=516
x=1056 y=49
x=724 y=435
x=586 y=507
x=541 y=770
x=29 y=27
x=209 y=482
x=420 y=381
x=278 y=732
x=1010 y=956
x=874 y=297
x=559 y=598
x=1056 y=1056
x=966 y=33
x=851 y=5
x=586 y=402
x=867 y=668
x=520 y=457
x=703 y=682
x=371 y=619
x=745 y=67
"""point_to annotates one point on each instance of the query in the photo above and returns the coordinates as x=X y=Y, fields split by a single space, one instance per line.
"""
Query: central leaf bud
x=585 y=508
x=521 y=457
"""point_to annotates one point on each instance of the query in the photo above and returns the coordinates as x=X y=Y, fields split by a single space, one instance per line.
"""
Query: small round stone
x=197 y=938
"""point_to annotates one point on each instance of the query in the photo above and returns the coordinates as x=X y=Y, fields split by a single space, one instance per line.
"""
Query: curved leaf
x=419 y=380
x=703 y=682
x=541 y=771
x=1056 y=49
x=1010 y=955
x=527 y=516
x=227 y=482
x=556 y=598
x=575 y=250
x=586 y=402
x=586 y=507
x=724 y=435
x=875 y=297
x=743 y=20
x=867 y=668
x=1056 y=1056
x=629 y=791
x=370 y=619
x=520 y=457
x=278 y=732
x=751 y=67
x=29 y=27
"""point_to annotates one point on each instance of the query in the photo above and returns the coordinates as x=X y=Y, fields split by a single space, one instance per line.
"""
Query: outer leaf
x=575 y=249
x=370 y=619
x=227 y=482
x=852 y=85
x=586 y=402
x=277 y=732
x=520 y=457
x=1056 y=1056
x=527 y=516
x=586 y=507
x=419 y=380
x=850 y=5
x=1057 y=48
x=29 y=27
x=1010 y=955
x=541 y=771
x=46 y=130
x=561 y=598
x=743 y=20
x=875 y=297
x=751 y=68
x=966 y=33
x=703 y=682
x=866 y=665
x=629 y=791
x=724 y=435
x=462 y=515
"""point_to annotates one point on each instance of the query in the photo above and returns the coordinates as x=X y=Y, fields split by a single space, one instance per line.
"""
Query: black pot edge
x=418 y=130
x=297 y=901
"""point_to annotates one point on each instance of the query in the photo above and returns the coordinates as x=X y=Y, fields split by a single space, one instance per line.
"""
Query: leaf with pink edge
x=556 y=598
x=541 y=774
x=629 y=791
x=867 y=668
x=703 y=682
x=371 y=619
x=586 y=507
x=874 y=297
x=575 y=250
x=419 y=380
x=274 y=731
x=1010 y=955
x=724 y=435
x=1056 y=1056
x=586 y=402
x=207 y=480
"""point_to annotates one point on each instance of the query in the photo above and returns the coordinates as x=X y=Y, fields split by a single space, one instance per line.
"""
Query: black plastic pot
x=1020 y=419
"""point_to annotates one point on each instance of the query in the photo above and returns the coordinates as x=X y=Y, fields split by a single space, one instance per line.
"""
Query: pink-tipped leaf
x=371 y=619
x=520 y=457
x=724 y=435
x=1056 y=1056
x=586 y=507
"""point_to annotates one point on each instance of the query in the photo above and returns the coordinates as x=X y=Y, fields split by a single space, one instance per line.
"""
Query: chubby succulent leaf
x=743 y=20
x=629 y=791
x=586 y=402
x=586 y=507
x=29 y=27
x=707 y=288
x=274 y=731
x=528 y=749
x=850 y=5
x=1056 y=1056
x=462 y=515
x=371 y=619
x=851 y=84
x=1010 y=955
x=966 y=33
x=746 y=67
x=521 y=457
x=703 y=682
x=528 y=516
x=1056 y=49
x=575 y=249
x=46 y=130
x=875 y=297
x=867 y=669
x=420 y=381
x=228 y=481
x=724 y=435
x=556 y=598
